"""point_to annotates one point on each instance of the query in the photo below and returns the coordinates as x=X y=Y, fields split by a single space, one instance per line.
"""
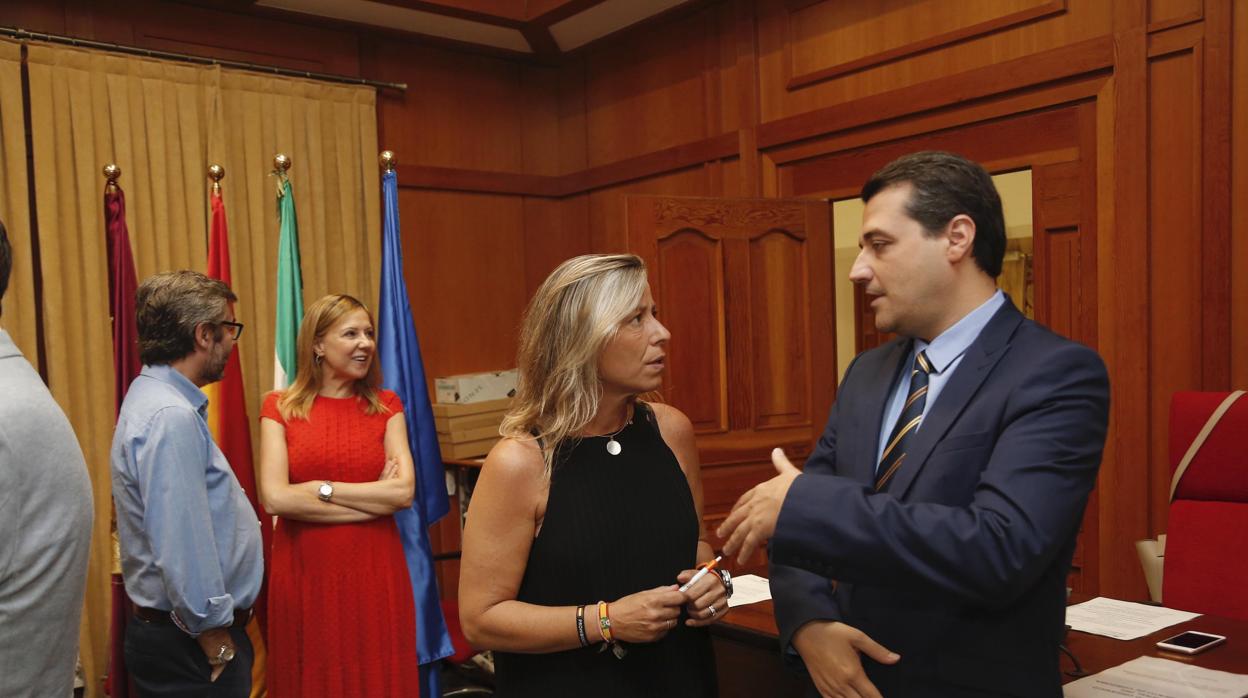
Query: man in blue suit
x=924 y=550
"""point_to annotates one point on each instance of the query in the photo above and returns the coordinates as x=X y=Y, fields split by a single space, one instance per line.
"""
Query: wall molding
x=915 y=101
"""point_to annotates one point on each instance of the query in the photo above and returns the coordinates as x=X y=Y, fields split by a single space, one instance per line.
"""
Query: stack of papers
x=1122 y=620
x=1151 y=677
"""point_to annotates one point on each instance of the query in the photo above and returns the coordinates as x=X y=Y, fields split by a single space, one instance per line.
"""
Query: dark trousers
x=164 y=661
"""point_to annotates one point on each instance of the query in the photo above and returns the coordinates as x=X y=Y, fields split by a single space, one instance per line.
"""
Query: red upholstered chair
x=1206 y=560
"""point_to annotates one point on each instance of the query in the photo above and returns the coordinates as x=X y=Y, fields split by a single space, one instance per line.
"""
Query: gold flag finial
x=388 y=160
x=281 y=163
x=112 y=173
x=216 y=173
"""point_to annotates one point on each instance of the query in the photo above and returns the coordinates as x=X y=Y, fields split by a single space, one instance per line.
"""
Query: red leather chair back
x=1206 y=561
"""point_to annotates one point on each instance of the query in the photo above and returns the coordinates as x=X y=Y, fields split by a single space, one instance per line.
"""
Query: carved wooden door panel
x=745 y=286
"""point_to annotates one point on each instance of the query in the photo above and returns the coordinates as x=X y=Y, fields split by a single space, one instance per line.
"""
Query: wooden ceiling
x=540 y=28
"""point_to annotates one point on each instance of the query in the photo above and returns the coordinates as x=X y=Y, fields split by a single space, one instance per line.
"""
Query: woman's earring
x=318 y=358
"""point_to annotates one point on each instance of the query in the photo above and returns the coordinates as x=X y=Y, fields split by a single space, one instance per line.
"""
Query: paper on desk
x=747 y=589
x=1152 y=677
x=1122 y=620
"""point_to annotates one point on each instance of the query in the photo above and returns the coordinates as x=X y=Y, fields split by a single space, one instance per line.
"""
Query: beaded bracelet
x=580 y=626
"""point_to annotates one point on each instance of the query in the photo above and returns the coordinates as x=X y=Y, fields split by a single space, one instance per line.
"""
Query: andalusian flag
x=289 y=288
x=227 y=419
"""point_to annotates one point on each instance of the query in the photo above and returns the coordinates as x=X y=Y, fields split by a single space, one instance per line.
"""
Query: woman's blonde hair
x=296 y=401
x=575 y=312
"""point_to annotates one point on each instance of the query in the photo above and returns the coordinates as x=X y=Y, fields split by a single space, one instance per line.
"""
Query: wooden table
x=747 y=651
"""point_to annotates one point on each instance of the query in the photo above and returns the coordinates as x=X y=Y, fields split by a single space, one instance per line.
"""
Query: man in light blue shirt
x=191 y=549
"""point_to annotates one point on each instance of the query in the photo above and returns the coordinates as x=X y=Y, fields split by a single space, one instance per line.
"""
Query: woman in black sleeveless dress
x=594 y=496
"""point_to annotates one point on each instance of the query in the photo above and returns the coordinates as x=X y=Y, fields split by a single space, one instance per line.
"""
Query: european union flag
x=404 y=373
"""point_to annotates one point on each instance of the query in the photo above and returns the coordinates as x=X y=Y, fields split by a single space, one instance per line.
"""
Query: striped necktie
x=907 y=423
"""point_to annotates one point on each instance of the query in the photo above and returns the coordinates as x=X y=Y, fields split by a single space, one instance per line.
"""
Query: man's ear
x=961 y=236
x=203 y=335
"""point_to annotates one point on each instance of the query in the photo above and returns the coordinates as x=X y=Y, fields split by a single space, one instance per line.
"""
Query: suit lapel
x=881 y=379
x=976 y=365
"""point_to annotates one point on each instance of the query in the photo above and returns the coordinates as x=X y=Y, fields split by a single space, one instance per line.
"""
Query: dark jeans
x=164 y=661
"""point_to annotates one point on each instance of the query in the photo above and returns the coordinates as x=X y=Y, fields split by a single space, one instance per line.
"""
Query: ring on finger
x=713 y=610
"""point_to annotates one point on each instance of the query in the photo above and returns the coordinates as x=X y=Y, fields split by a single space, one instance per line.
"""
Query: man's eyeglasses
x=236 y=326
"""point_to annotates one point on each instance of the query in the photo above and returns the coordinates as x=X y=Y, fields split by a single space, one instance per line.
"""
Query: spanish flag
x=227 y=418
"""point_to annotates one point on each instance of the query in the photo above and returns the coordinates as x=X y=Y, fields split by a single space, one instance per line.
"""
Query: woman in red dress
x=334 y=466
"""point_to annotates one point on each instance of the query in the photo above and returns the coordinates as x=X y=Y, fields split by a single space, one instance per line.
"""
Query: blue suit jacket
x=961 y=565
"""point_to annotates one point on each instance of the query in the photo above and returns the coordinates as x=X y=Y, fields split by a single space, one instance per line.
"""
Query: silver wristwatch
x=225 y=655
x=726 y=578
x=325 y=491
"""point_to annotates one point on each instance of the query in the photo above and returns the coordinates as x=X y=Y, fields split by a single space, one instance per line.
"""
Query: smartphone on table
x=1191 y=642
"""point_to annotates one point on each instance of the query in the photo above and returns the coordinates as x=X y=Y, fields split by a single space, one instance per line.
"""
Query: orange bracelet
x=604 y=621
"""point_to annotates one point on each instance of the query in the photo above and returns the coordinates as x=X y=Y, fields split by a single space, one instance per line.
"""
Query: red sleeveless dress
x=341 y=617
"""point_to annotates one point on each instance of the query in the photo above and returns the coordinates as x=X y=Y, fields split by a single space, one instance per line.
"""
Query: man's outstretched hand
x=753 y=518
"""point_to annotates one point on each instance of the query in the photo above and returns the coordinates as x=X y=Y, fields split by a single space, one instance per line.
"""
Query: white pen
x=701 y=573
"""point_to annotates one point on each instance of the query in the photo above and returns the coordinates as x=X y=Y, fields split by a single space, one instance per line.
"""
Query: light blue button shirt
x=190 y=541
x=944 y=353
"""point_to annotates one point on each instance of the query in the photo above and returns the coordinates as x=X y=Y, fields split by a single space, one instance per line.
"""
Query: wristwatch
x=726 y=578
x=325 y=491
x=225 y=655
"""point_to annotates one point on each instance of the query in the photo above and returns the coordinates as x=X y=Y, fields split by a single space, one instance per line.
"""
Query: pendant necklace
x=613 y=446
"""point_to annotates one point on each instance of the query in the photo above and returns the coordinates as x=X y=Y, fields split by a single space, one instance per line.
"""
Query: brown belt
x=156 y=616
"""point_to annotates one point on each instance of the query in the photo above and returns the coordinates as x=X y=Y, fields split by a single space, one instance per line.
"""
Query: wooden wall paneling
x=463 y=257
x=1163 y=14
x=1087 y=562
x=461 y=111
x=988 y=143
x=740 y=85
x=829 y=39
x=1084 y=20
x=1077 y=89
x=1239 y=197
x=635 y=90
x=1214 y=54
x=539 y=115
x=1175 y=250
x=555 y=230
x=1087 y=57
x=573 y=119
x=1122 y=293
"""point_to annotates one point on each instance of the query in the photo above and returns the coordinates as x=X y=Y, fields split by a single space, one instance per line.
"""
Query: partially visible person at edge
x=191 y=551
x=945 y=494
x=587 y=515
x=334 y=466
x=45 y=516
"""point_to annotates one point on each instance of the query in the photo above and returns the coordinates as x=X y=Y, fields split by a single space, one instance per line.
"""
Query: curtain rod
x=21 y=34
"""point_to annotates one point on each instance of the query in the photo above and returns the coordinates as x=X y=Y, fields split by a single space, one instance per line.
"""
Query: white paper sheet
x=747 y=589
x=1152 y=677
x=1122 y=620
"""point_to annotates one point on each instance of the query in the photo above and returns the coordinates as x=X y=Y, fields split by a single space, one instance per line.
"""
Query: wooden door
x=745 y=286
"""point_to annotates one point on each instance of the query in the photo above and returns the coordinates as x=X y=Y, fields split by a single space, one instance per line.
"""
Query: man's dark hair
x=944 y=185
x=6 y=260
x=169 y=305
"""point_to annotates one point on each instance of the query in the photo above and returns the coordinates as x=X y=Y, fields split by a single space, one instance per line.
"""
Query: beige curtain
x=163 y=123
x=89 y=109
x=330 y=134
x=18 y=309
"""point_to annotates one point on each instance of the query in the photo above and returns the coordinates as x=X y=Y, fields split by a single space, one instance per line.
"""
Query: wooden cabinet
x=745 y=286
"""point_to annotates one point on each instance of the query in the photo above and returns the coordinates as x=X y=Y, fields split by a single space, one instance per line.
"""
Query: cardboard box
x=477 y=434
x=459 y=410
x=476 y=387
x=466 y=450
x=449 y=425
